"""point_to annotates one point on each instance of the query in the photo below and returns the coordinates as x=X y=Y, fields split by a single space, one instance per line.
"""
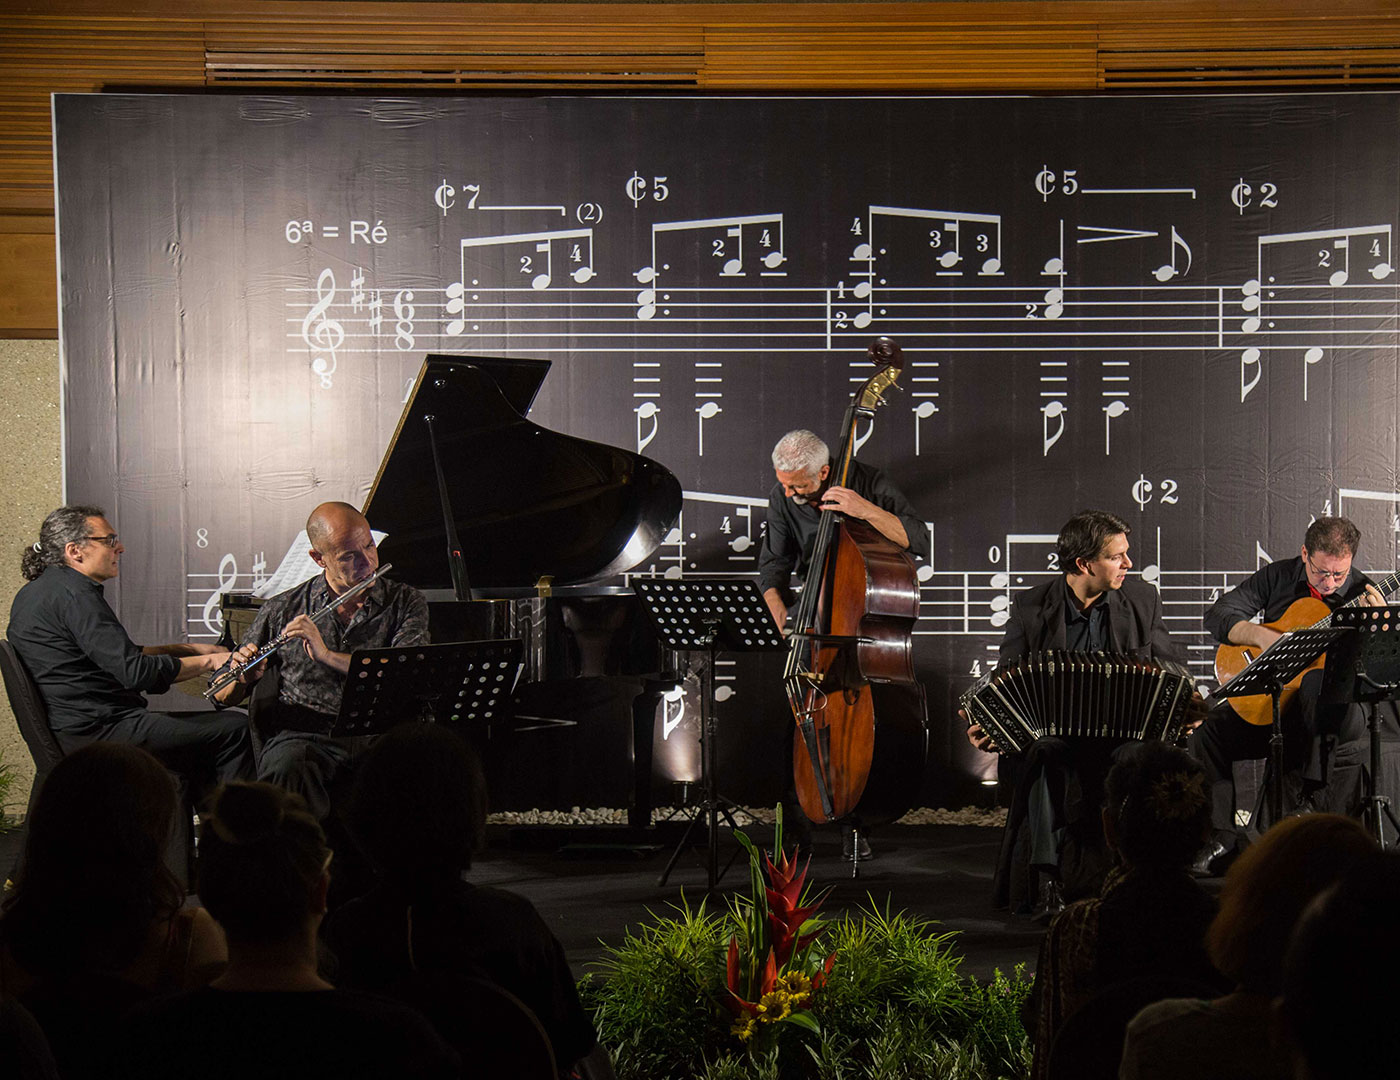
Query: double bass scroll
x=853 y=628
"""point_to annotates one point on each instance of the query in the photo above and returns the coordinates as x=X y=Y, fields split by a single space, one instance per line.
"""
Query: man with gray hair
x=802 y=464
x=91 y=675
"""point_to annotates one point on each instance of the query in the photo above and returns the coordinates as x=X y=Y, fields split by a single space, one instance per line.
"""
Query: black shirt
x=89 y=672
x=1086 y=630
x=1271 y=590
x=792 y=526
x=393 y=615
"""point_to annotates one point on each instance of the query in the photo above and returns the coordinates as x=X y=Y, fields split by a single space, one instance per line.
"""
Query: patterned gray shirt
x=393 y=615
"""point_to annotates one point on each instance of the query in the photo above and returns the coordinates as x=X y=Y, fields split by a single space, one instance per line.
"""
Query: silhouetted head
x=92 y=880
x=263 y=862
x=418 y=808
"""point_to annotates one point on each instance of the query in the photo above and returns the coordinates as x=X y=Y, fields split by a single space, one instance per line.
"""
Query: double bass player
x=803 y=468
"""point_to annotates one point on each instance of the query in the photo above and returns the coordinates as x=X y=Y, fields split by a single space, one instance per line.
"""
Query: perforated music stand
x=1268 y=673
x=1364 y=669
x=705 y=614
x=460 y=682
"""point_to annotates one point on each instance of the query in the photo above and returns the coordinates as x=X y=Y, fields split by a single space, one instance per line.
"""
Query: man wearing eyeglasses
x=92 y=677
x=1313 y=735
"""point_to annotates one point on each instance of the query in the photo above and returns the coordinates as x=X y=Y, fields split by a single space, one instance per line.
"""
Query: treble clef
x=228 y=578
x=324 y=335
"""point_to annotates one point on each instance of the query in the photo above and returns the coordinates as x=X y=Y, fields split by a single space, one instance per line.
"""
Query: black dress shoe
x=848 y=846
x=1212 y=860
x=1051 y=902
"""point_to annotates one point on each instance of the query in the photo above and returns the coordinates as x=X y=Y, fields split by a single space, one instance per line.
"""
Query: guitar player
x=1289 y=594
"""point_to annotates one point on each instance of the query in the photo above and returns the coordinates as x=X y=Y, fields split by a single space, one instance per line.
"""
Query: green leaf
x=804 y=1020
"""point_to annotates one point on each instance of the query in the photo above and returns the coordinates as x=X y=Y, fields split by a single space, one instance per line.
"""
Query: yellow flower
x=743 y=1026
x=775 y=1006
x=797 y=986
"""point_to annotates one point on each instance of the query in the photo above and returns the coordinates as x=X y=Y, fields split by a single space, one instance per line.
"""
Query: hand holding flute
x=248 y=664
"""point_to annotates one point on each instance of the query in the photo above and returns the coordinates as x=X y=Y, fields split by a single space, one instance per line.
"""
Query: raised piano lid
x=529 y=501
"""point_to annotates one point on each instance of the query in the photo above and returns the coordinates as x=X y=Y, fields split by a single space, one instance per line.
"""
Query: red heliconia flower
x=820 y=977
x=736 y=1003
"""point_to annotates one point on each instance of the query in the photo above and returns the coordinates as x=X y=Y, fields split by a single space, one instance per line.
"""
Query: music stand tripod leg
x=1376 y=803
x=1275 y=759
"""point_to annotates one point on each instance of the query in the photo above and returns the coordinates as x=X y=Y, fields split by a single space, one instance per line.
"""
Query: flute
x=230 y=674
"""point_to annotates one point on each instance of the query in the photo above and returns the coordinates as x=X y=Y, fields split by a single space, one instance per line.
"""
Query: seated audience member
x=1265 y=892
x=1337 y=1012
x=95 y=922
x=263 y=875
x=24 y=1052
x=1150 y=918
x=418 y=809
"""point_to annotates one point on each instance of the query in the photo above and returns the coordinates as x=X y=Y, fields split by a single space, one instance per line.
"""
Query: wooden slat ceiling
x=49 y=46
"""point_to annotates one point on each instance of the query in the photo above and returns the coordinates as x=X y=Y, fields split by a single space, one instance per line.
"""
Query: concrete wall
x=31 y=481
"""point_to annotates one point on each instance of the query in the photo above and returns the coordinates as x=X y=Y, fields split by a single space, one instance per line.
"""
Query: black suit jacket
x=1135 y=624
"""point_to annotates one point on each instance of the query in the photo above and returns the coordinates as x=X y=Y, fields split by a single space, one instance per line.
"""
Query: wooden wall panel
x=76 y=46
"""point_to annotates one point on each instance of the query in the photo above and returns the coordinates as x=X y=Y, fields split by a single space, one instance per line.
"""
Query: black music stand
x=1365 y=669
x=1268 y=673
x=705 y=614
x=460 y=682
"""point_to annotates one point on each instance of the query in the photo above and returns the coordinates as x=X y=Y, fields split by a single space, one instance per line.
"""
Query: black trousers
x=203 y=748
x=1314 y=736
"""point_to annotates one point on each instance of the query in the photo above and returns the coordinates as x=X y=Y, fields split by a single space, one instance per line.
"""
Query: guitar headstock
x=889 y=358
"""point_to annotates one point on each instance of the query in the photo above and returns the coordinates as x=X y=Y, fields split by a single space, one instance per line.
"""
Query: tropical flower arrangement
x=769 y=989
x=774 y=968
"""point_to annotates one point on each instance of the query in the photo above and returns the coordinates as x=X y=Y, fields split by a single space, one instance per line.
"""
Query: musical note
x=321 y=333
x=1336 y=261
x=1261 y=557
x=1052 y=410
x=744 y=540
x=922 y=411
x=376 y=312
x=1250 y=358
x=541 y=281
x=259 y=570
x=1312 y=356
x=456 y=305
x=647 y=410
x=357 y=290
x=1170 y=270
x=1111 y=412
x=540 y=243
x=727 y=246
x=708 y=411
x=1250 y=303
x=672 y=710
x=212 y=616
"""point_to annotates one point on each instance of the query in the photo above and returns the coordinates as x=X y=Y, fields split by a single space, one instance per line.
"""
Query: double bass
x=854 y=760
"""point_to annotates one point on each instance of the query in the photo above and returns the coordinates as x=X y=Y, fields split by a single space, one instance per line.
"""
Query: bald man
x=299 y=752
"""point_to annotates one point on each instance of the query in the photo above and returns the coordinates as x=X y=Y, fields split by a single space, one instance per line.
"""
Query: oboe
x=230 y=674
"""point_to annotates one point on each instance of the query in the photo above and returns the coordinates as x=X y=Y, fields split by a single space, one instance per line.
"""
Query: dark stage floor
x=590 y=893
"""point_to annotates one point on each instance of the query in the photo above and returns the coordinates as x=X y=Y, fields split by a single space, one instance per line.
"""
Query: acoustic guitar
x=1307 y=613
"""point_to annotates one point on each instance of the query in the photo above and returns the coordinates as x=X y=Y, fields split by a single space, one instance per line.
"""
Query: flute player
x=299 y=753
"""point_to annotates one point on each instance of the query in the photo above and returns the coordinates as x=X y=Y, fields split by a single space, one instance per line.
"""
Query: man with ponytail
x=91 y=675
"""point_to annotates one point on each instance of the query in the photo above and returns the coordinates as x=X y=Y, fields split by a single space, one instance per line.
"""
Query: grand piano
x=513 y=530
x=508 y=527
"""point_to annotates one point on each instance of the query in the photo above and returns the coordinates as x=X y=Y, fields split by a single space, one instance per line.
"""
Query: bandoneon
x=1079 y=695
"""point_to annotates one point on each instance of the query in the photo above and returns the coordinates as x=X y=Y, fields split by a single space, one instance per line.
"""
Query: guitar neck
x=1385 y=586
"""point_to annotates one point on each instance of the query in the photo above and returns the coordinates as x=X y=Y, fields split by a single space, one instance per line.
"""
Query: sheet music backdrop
x=1181 y=308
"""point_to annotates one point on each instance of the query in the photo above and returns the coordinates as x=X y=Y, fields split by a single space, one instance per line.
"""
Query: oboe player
x=299 y=753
